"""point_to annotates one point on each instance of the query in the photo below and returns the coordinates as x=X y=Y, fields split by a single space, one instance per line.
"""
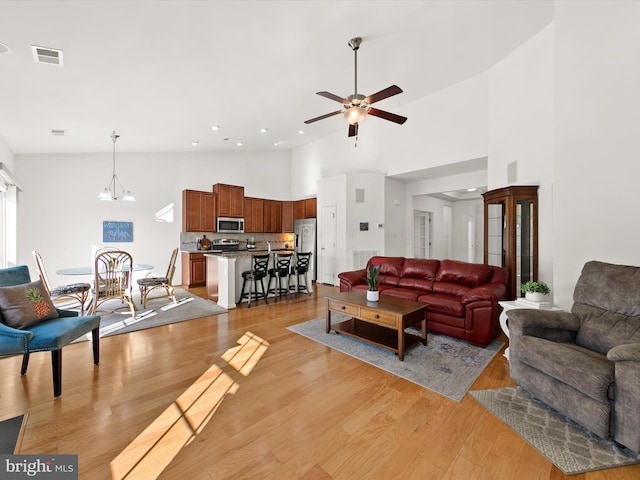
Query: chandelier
x=109 y=193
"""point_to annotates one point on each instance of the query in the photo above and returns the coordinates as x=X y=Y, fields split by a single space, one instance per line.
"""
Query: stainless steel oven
x=230 y=225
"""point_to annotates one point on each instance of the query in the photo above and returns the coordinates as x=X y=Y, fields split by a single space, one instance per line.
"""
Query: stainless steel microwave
x=230 y=225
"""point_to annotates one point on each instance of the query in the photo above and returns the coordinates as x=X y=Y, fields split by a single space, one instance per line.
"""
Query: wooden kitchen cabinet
x=253 y=215
x=229 y=200
x=287 y=217
x=305 y=208
x=272 y=216
x=310 y=207
x=194 y=269
x=198 y=211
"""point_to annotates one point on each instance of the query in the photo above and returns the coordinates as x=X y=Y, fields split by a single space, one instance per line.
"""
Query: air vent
x=46 y=55
x=58 y=132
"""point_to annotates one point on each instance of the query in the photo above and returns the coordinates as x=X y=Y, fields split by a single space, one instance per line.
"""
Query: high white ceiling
x=161 y=73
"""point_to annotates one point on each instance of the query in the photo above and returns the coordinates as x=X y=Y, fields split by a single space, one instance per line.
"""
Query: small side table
x=506 y=306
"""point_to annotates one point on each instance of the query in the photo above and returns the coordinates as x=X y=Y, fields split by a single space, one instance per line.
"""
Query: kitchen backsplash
x=188 y=240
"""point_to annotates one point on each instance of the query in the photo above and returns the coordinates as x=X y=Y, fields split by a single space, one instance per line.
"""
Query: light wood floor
x=187 y=401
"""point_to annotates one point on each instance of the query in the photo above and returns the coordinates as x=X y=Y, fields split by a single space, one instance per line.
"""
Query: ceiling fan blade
x=321 y=117
x=382 y=94
x=387 y=116
x=331 y=96
x=353 y=130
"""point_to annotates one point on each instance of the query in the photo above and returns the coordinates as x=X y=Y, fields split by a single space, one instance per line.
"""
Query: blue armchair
x=49 y=335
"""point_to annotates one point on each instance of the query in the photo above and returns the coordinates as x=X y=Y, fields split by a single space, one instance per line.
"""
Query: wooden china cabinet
x=511 y=233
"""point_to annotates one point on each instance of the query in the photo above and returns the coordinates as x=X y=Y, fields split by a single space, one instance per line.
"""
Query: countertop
x=240 y=253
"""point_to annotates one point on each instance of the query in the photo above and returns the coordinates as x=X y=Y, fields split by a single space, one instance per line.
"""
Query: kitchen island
x=224 y=274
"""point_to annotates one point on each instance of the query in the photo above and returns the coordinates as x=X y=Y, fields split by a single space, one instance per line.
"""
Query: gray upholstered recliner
x=586 y=363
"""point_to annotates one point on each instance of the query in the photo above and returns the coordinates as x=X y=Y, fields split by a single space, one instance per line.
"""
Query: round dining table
x=88 y=270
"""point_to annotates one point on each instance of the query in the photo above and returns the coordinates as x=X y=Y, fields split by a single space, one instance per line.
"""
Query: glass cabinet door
x=511 y=234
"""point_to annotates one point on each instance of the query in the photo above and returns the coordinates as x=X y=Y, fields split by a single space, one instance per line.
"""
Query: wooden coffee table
x=381 y=323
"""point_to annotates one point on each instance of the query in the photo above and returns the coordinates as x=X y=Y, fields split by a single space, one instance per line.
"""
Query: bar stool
x=301 y=268
x=280 y=271
x=259 y=265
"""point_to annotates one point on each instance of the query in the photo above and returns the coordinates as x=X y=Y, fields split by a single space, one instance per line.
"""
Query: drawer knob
x=377 y=316
x=343 y=307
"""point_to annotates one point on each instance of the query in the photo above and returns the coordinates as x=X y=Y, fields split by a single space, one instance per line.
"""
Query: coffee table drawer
x=376 y=316
x=341 y=307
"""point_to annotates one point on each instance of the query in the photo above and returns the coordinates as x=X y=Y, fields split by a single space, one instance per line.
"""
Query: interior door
x=328 y=244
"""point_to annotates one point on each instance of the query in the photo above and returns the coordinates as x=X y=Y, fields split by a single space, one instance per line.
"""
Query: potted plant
x=535 y=291
x=372 y=280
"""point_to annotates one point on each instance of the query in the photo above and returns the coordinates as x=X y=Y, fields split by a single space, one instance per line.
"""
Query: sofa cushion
x=416 y=284
x=26 y=304
x=470 y=274
x=405 y=293
x=443 y=303
x=568 y=364
x=388 y=265
x=449 y=288
x=422 y=268
x=387 y=280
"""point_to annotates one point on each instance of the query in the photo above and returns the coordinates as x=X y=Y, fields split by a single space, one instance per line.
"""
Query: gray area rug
x=159 y=311
x=445 y=365
x=566 y=444
x=9 y=434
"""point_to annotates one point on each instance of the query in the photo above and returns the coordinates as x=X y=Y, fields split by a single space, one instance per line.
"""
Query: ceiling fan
x=357 y=106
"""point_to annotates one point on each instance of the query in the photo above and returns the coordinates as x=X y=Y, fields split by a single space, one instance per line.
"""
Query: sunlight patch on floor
x=153 y=450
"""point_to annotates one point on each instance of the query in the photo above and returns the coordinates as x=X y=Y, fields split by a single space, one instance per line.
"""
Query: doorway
x=422 y=234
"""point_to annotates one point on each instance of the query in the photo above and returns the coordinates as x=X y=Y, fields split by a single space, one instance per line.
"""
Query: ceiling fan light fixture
x=355 y=115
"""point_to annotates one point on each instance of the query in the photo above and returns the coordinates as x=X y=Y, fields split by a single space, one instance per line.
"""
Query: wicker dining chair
x=151 y=282
x=76 y=291
x=113 y=277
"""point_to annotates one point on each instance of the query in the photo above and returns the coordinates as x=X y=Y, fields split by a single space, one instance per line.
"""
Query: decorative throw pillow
x=25 y=305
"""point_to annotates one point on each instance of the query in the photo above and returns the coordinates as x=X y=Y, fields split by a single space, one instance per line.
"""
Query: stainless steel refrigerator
x=305 y=241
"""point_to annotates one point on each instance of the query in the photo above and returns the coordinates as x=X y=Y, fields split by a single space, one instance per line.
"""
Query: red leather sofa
x=462 y=298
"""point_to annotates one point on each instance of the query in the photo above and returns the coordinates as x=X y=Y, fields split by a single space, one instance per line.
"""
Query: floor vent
x=47 y=55
x=361 y=257
x=58 y=133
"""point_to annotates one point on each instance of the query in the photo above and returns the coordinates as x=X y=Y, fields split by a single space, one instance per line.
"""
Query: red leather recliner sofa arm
x=349 y=279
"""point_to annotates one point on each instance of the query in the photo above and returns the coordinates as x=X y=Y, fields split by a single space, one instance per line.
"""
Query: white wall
x=597 y=118
x=60 y=215
x=395 y=226
x=521 y=132
x=370 y=211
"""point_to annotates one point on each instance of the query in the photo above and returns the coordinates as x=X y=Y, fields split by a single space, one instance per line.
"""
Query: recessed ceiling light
x=215 y=128
x=239 y=144
x=263 y=130
x=275 y=144
x=195 y=144
x=4 y=48
x=300 y=132
x=471 y=189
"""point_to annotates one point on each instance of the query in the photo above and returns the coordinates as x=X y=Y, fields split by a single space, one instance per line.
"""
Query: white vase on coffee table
x=373 y=295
